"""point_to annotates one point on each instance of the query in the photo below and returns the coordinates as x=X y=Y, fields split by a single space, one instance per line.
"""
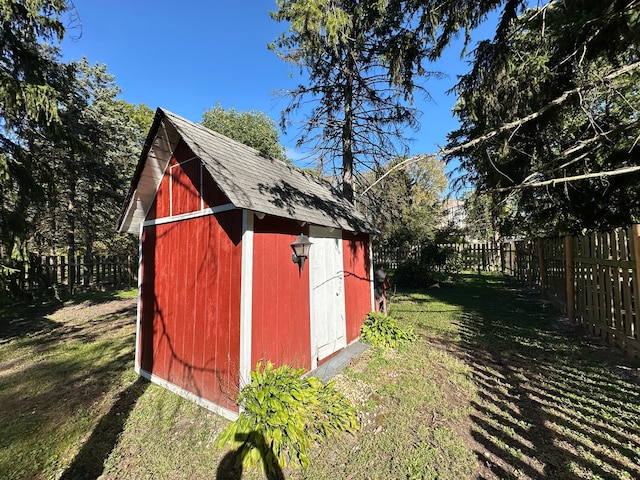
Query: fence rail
x=44 y=275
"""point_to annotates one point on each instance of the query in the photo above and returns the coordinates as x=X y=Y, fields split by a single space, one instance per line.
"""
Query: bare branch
x=555 y=181
x=507 y=126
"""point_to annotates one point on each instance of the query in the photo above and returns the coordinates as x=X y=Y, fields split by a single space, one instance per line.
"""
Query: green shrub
x=411 y=274
x=283 y=414
x=383 y=331
x=437 y=263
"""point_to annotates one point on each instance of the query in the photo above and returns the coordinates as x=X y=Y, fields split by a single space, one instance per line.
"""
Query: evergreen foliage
x=560 y=67
x=69 y=145
x=27 y=89
x=31 y=86
x=358 y=114
x=364 y=62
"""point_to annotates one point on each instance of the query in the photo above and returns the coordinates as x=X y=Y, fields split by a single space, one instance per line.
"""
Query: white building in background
x=455 y=214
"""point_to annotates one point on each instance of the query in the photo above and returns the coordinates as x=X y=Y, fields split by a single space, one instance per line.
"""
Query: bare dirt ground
x=88 y=309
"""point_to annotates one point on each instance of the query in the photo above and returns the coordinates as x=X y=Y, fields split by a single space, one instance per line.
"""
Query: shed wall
x=185 y=187
x=357 y=281
x=281 y=323
x=191 y=273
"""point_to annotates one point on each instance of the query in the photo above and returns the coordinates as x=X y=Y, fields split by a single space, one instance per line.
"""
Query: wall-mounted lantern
x=300 y=247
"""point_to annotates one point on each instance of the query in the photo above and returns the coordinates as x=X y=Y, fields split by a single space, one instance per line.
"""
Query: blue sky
x=187 y=56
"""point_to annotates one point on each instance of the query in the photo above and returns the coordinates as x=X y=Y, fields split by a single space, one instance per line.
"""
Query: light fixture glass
x=300 y=246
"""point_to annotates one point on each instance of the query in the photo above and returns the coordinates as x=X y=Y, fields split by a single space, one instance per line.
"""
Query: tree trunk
x=71 y=230
x=88 y=240
x=347 y=127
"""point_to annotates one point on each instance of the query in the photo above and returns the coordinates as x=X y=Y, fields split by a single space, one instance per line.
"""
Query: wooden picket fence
x=45 y=275
x=482 y=256
x=595 y=278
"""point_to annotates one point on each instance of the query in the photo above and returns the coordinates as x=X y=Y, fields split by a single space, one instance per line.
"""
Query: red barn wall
x=280 y=329
x=190 y=312
x=357 y=281
x=186 y=187
x=190 y=294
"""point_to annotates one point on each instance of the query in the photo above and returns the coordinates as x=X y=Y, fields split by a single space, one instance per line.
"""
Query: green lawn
x=497 y=386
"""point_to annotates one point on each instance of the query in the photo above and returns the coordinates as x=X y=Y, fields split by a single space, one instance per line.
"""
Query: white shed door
x=326 y=277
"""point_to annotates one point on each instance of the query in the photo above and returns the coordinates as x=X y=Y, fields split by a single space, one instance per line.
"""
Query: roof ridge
x=290 y=166
x=250 y=179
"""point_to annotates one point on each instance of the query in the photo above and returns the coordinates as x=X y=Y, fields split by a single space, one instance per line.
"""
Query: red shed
x=218 y=288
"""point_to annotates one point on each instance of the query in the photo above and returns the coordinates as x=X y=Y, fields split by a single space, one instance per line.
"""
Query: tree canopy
x=364 y=61
x=406 y=207
x=549 y=118
x=28 y=63
x=32 y=83
x=252 y=128
x=357 y=115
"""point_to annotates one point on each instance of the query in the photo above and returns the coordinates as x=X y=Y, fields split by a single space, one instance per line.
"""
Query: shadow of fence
x=552 y=402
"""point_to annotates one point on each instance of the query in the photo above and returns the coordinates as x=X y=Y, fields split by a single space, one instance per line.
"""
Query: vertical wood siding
x=357 y=281
x=181 y=187
x=185 y=186
x=281 y=323
x=190 y=322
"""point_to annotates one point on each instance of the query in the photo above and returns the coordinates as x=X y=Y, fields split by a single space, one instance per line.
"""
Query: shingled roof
x=250 y=179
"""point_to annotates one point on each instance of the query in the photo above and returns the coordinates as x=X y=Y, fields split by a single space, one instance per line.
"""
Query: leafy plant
x=283 y=415
x=437 y=263
x=384 y=331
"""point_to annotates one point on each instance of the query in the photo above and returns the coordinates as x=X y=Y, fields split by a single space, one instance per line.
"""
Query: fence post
x=635 y=231
x=542 y=269
x=570 y=276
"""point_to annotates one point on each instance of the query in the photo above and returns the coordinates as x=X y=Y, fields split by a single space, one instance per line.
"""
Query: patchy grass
x=496 y=386
x=62 y=369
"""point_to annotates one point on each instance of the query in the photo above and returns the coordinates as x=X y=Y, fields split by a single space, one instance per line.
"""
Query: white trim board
x=246 y=298
x=187 y=216
x=228 y=414
x=371 y=276
x=139 y=304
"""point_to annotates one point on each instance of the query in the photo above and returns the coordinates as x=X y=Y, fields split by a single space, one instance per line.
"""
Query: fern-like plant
x=384 y=331
x=283 y=415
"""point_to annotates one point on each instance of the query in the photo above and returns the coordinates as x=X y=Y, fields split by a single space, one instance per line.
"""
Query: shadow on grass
x=552 y=401
x=89 y=462
x=230 y=467
x=26 y=321
x=54 y=377
x=22 y=320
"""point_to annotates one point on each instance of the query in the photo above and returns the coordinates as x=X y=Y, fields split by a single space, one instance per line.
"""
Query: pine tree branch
x=507 y=126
